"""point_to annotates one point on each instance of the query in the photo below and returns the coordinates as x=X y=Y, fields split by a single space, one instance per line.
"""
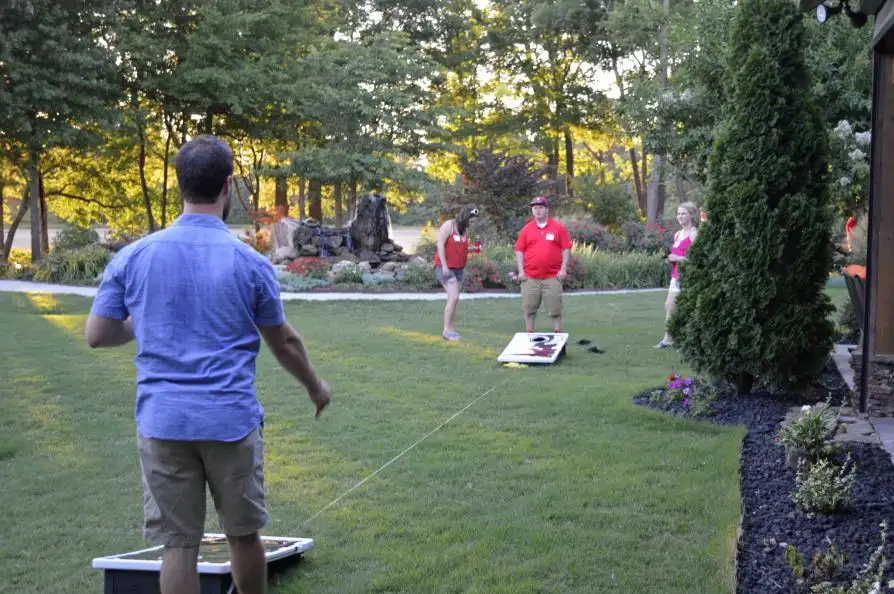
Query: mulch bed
x=770 y=520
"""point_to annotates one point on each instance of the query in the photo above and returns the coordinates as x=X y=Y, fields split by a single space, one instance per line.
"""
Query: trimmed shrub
x=753 y=304
x=75 y=237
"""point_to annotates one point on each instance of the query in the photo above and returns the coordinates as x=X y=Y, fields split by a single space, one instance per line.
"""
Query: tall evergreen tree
x=753 y=304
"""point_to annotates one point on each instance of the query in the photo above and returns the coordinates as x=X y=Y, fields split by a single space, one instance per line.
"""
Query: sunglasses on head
x=473 y=212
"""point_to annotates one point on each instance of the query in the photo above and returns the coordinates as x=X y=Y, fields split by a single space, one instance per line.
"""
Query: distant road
x=407 y=237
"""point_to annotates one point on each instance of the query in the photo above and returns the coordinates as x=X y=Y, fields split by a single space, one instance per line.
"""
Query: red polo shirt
x=543 y=248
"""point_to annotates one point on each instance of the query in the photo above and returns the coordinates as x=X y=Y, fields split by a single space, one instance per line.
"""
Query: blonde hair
x=692 y=209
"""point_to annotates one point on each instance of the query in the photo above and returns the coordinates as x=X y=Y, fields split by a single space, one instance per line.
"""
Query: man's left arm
x=109 y=323
x=566 y=253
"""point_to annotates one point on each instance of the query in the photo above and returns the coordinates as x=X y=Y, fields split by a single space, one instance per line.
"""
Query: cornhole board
x=137 y=572
x=534 y=347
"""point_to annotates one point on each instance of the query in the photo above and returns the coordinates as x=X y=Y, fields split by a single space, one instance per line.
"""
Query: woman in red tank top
x=450 y=261
x=686 y=216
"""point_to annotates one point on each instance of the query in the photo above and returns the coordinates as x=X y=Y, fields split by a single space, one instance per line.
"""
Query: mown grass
x=553 y=482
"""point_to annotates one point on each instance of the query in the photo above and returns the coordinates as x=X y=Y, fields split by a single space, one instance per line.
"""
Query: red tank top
x=456 y=249
x=679 y=249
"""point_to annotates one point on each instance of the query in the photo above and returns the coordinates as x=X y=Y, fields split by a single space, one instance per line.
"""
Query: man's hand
x=320 y=396
x=563 y=274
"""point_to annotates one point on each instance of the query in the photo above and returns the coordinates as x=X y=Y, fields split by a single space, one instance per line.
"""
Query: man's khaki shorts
x=547 y=290
x=174 y=476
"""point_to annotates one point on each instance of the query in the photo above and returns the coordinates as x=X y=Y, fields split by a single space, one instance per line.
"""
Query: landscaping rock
x=284 y=254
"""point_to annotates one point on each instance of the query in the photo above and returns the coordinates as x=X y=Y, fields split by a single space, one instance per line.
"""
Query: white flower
x=863 y=138
x=876 y=588
x=856 y=155
x=844 y=127
x=805 y=408
x=844 y=182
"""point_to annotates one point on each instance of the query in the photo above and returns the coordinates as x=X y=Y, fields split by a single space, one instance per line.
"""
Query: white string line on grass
x=391 y=461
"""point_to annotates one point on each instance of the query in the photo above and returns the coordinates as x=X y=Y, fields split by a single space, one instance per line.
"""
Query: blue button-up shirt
x=196 y=295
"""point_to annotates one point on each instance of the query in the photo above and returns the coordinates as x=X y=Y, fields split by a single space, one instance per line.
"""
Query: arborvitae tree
x=753 y=304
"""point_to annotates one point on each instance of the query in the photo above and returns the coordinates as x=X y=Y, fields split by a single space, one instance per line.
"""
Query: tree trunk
x=2 y=218
x=14 y=226
x=164 y=181
x=256 y=201
x=744 y=384
x=44 y=215
x=637 y=182
x=141 y=161
x=315 y=197
x=302 y=186
x=569 y=162
x=657 y=190
x=281 y=197
x=338 y=211
x=34 y=191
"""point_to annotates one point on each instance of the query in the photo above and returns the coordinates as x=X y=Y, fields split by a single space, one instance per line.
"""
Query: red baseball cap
x=540 y=201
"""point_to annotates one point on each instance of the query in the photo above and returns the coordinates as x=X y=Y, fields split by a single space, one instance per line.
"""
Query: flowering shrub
x=595 y=235
x=309 y=266
x=481 y=273
x=683 y=392
x=260 y=241
x=647 y=238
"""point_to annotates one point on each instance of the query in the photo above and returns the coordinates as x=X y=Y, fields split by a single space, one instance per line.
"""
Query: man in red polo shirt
x=542 y=251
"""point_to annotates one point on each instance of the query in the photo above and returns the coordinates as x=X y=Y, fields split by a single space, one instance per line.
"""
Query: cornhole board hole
x=534 y=347
x=137 y=572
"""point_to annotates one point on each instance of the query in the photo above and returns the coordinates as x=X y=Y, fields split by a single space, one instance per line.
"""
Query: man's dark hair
x=203 y=165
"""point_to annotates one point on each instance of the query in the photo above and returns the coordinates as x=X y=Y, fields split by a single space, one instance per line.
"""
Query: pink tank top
x=679 y=249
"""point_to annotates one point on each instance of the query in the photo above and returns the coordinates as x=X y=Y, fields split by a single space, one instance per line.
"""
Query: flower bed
x=771 y=521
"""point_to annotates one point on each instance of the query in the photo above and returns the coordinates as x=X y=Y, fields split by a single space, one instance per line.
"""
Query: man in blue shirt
x=195 y=299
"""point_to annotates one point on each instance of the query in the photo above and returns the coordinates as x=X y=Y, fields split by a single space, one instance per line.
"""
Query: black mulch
x=771 y=521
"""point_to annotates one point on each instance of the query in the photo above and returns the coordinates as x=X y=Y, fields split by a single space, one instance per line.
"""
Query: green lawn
x=554 y=482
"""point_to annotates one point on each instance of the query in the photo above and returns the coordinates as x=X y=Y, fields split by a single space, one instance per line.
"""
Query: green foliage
x=418 y=275
x=75 y=237
x=809 y=434
x=823 y=486
x=74 y=266
x=823 y=565
x=602 y=270
x=871 y=578
x=753 y=303
x=376 y=279
x=352 y=273
x=297 y=283
x=849 y=175
x=610 y=205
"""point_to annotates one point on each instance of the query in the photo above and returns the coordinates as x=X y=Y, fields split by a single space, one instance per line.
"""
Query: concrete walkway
x=8 y=286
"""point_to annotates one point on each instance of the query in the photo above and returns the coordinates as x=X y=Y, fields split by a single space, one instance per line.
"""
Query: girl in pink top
x=687 y=214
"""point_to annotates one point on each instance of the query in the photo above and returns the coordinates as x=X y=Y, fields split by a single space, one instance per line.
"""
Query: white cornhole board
x=137 y=571
x=534 y=347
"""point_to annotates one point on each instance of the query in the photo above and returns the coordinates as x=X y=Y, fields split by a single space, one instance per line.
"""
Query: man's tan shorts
x=548 y=291
x=174 y=476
